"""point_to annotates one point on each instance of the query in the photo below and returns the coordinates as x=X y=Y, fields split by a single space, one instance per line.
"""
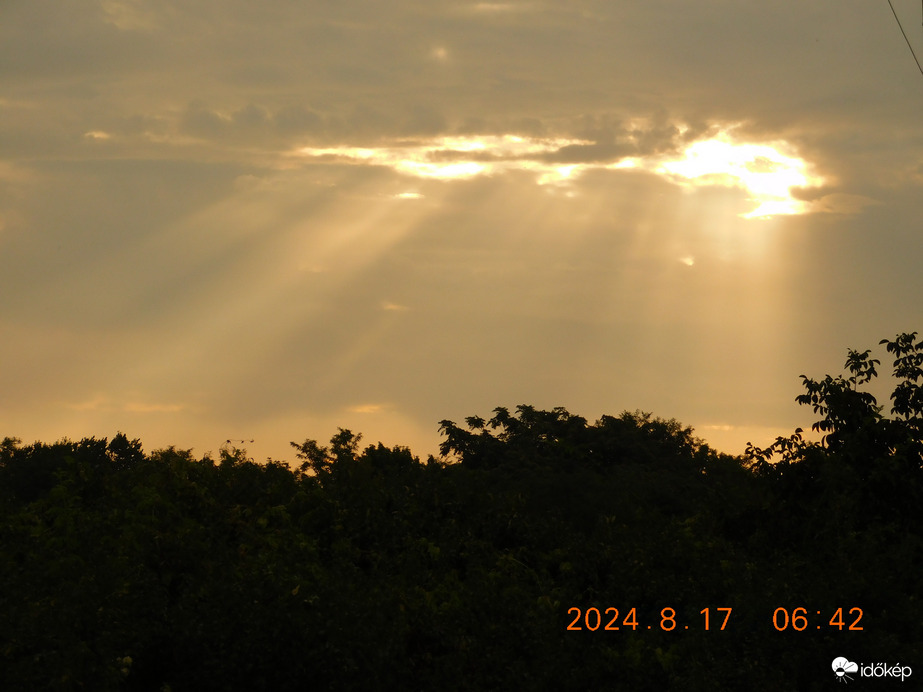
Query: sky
x=264 y=221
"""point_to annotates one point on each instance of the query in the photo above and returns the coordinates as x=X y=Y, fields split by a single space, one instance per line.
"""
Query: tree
x=557 y=437
x=867 y=464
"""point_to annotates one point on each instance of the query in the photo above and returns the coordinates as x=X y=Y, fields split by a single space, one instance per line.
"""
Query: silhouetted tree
x=367 y=569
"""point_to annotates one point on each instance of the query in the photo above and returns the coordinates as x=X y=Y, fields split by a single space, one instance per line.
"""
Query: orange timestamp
x=608 y=620
x=799 y=619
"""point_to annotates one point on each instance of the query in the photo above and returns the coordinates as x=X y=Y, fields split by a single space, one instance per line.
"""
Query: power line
x=905 y=37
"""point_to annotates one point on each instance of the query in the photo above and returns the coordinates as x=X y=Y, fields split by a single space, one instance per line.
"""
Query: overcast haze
x=267 y=220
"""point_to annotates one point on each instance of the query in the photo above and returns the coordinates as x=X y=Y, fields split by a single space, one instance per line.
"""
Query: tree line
x=506 y=562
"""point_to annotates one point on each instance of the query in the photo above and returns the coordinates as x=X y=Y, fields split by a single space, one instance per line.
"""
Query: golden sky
x=237 y=220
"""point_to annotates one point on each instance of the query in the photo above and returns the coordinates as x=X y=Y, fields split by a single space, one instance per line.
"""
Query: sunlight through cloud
x=365 y=408
x=762 y=170
x=454 y=157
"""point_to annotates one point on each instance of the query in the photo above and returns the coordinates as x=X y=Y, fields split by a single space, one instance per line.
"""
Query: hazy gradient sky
x=266 y=220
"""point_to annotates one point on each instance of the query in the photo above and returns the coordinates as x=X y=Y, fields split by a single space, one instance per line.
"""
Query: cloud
x=394 y=307
x=768 y=172
x=497 y=7
x=201 y=121
x=365 y=408
x=107 y=404
x=297 y=119
x=97 y=135
x=129 y=15
x=511 y=170
x=96 y=403
x=842 y=203
x=142 y=407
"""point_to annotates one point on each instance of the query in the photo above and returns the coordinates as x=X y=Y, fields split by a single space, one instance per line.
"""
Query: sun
x=765 y=171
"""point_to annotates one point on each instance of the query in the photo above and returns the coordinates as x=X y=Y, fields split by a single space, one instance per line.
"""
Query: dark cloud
x=424 y=120
x=202 y=122
x=297 y=120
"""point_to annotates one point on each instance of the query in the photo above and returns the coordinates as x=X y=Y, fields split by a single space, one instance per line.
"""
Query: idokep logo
x=842 y=668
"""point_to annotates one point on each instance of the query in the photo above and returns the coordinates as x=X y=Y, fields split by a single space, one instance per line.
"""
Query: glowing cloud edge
x=767 y=171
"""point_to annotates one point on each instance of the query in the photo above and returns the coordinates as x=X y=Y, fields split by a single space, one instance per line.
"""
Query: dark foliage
x=367 y=569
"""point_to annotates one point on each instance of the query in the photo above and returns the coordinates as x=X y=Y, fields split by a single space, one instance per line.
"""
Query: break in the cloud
x=771 y=178
x=231 y=220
